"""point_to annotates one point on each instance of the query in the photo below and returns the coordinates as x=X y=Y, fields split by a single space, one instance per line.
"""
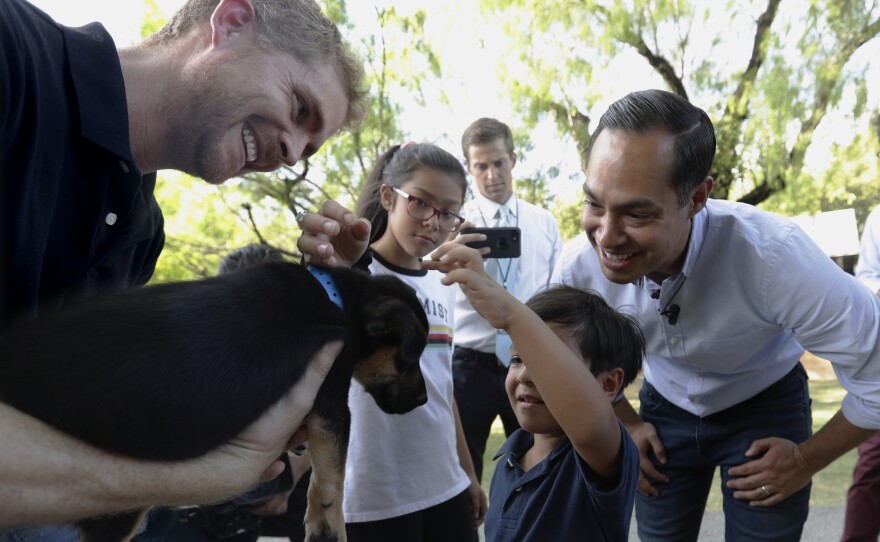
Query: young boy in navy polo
x=571 y=472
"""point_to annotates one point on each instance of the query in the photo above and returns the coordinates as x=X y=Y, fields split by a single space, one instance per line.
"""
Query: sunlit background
x=494 y=60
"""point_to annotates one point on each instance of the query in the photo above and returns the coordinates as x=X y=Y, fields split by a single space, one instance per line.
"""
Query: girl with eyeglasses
x=410 y=477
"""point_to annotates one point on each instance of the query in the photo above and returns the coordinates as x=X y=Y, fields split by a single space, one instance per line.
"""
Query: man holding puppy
x=227 y=87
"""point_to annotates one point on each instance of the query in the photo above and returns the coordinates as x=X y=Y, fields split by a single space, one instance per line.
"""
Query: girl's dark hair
x=606 y=338
x=395 y=167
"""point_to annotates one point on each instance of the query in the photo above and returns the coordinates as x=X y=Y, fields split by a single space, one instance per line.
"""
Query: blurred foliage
x=851 y=179
x=766 y=98
x=767 y=72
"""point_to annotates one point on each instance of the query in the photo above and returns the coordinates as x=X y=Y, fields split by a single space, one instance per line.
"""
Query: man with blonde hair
x=227 y=88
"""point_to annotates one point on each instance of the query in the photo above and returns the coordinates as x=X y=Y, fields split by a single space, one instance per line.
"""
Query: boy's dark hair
x=647 y=110
x=485 y=130
x=247 y=256
x=606 y=338
x=395 y=167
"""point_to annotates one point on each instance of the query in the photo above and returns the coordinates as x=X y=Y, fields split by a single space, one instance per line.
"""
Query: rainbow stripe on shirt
x=439 y=337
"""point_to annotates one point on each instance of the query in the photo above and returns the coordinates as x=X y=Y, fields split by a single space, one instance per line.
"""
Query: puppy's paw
x=322 y=532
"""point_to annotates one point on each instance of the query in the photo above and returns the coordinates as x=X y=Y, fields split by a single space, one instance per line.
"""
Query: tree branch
x=738 y=104
x=256 y=229
x=661 y=65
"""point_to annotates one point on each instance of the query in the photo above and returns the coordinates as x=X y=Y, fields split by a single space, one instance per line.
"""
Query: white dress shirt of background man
x=487 y=145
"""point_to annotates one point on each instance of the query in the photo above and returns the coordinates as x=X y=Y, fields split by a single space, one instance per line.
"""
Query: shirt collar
x=519 y=442
x=99 y=87
x=489 y=208
x=699 y=225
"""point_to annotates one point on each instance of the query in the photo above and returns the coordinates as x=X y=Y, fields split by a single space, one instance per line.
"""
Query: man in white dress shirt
x=861 y=521
x=479 y=361
x=728 y=298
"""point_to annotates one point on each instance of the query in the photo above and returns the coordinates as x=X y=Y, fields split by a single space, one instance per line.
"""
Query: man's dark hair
x=647 y=110
x=606 y=338
x=485 y=130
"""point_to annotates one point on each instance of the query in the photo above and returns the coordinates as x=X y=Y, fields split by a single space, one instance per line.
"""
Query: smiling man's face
x=632 y=215
x=260 y=110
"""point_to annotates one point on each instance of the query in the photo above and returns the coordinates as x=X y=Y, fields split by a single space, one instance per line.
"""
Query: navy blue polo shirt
x=560 y=498
x=77 y=215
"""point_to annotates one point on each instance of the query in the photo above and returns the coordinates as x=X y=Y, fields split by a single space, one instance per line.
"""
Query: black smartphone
x=502 y=242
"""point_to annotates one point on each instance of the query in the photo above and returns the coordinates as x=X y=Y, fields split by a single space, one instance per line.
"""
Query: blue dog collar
x=328 y=283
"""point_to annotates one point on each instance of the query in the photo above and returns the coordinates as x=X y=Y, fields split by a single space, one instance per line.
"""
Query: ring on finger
x=765 y=490
x=299 y=217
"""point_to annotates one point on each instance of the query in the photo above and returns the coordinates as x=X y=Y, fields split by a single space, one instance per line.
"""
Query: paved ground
x=825 y=524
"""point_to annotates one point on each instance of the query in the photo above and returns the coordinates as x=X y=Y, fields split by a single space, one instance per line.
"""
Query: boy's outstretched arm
x=571 y=393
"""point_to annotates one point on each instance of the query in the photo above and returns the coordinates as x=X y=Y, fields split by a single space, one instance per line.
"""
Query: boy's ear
x=611 y=382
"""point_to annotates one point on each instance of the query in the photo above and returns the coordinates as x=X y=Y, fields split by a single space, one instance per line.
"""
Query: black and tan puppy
x=169 y=372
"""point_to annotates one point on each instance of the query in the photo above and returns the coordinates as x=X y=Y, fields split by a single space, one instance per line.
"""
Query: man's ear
x=611 y=382
x=230 y=20
x=700 y=195
x=512 y=160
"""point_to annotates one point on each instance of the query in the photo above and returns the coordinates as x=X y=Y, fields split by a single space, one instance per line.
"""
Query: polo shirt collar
x=519 y=443
x=100 y=92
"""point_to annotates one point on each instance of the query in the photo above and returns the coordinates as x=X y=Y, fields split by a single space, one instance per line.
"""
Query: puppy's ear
x=393 y=322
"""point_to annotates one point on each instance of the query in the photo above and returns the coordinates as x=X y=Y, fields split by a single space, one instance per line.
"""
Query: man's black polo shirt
x=77 y=216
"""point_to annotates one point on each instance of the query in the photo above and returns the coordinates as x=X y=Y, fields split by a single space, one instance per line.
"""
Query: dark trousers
x=862 y=522
x=696 y=446
x=450 y=521
x=480 y=395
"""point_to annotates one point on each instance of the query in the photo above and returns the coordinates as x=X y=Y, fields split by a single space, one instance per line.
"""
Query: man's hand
x=253 y=455
x=781 y=470
x=333 y=236
x=645 y=436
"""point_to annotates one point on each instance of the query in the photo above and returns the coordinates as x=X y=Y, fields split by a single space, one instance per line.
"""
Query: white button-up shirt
x=754 y=292
x=868 y=266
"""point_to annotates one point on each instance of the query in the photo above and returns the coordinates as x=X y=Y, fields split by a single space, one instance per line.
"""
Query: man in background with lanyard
x=482 y=353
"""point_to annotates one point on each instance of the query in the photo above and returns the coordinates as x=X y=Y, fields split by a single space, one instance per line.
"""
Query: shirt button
x=110 y=219
x=673 y=340
x=124 y=166
x=518 y=489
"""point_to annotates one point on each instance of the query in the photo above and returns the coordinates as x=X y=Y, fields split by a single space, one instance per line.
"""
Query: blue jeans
x=696 y=446
x=40 y=533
